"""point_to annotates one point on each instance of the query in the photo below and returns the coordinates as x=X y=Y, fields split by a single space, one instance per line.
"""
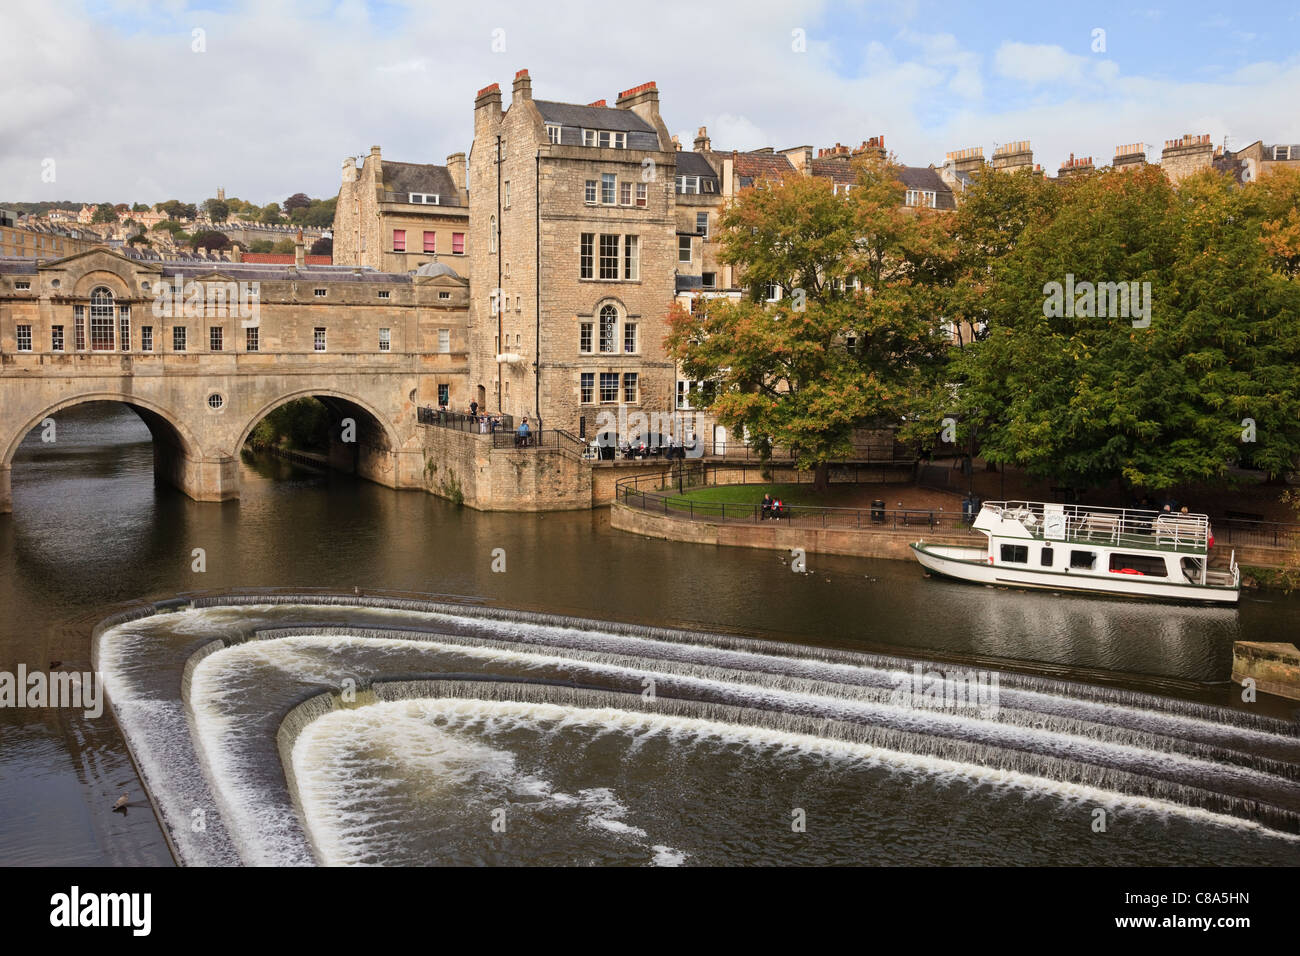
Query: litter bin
x=878 y=511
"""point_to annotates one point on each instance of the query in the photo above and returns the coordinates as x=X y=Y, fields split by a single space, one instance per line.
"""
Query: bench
x=918 y=517
x=1092 y=524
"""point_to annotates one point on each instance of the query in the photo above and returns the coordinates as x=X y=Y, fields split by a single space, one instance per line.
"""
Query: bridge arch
x=337 y=401
x=177 y=455
x=162 y=422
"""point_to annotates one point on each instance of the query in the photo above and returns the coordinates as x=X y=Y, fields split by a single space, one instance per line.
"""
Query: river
x=91 y=528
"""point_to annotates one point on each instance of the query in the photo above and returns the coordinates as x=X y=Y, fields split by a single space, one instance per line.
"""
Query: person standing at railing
x=524 y=432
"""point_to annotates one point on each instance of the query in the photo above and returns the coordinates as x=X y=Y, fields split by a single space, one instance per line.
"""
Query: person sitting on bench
x=766 y=506
x=778 y=509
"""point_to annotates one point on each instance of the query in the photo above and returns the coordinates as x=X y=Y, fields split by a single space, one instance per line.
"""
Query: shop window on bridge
x=103 y=318
x=124 y=326
x=1015 y=553
x=56 y=338
x=251 y=342
x=178 y=339
x=24 y=338
x=385 y=340
x=318 y=340
x=444 y=395
x=146 y=338
x=79 y=327
x=216 y=338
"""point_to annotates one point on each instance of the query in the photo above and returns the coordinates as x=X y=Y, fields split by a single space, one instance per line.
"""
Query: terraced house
x=395 y=217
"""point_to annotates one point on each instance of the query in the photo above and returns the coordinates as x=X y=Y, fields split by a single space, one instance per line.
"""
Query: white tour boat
x=1126 y=552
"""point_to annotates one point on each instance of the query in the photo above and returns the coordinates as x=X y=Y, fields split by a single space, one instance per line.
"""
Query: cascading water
x=351 y=730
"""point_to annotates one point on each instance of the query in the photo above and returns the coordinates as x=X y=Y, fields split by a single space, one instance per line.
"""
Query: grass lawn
x=710 y=500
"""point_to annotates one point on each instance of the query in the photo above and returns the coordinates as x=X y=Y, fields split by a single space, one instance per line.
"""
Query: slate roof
x=923 y=177
x=402 y=179
x=592 y=117
x=690 y=163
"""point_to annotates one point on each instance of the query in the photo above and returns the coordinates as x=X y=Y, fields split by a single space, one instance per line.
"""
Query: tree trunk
x=822 y=476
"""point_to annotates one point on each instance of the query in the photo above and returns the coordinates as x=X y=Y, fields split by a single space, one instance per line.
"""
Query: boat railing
x=1118 y=527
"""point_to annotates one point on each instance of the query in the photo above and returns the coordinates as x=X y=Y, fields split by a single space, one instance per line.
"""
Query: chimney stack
x=523 y=88
x=349 y=170
x=456 y=167
x=235 y=254
x=299 y=249
x=702 y=144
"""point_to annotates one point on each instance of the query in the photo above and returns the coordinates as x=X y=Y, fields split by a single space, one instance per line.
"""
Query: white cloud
x=287 y=89
x=1037 y=63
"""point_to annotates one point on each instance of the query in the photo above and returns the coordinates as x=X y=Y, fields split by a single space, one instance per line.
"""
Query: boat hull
x=973 y=565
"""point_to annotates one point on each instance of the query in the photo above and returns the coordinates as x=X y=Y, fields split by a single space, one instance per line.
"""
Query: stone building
x=573 y=249
x=1129 y=157
x=1257 y=160
x=102 y=301
x=41 y=240
x=395 y=217
x=1076 y=167
x=1187 y=155
x=1013 y=157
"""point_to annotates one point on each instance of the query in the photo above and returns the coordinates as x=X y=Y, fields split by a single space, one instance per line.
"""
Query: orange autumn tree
x=837 y=327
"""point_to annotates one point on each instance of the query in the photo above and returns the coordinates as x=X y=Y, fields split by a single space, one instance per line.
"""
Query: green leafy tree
x=261 y=245
x=1086 y=398
x=283 y=246
x=104 y=212
x=323 y=247
x=217 y=209
x=271 y=214
x=783 y=370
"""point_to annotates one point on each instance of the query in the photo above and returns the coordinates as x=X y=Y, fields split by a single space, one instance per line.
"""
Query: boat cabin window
x=1046 y=557
x=1015 y=553
x=1145 y=564
x=1192 y=569
x=1083 y=560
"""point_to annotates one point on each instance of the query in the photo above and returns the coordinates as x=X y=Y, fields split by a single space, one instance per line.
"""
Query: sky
x=141 y=102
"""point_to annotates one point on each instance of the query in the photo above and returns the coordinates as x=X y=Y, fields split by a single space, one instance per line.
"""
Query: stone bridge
x=196 y=445
x=87 y=329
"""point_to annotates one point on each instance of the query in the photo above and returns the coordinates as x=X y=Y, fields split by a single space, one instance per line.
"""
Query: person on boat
x=766 y=506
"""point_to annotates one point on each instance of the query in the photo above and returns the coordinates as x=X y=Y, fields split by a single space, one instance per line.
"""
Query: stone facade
x=1187 y=155
x=395 y=217
x=552 y=187
x=95 y=327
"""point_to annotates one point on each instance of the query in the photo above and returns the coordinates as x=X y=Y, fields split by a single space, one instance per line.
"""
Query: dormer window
x=605 y=139
x=921 y=197
x=424 y=199
x=688 y=185
x=553 y=133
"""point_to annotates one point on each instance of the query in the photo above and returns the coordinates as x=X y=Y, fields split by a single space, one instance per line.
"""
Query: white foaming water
x=457 y=756
x=348 y=762
x=341 y=814
x=528 y=632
